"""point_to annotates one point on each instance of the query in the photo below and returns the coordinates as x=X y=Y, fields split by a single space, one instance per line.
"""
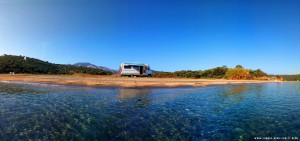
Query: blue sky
x=169 y=35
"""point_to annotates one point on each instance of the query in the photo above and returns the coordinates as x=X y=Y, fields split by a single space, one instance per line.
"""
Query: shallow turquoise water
x=227 y=112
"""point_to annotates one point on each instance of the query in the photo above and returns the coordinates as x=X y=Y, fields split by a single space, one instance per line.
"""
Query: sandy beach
x=96 y=80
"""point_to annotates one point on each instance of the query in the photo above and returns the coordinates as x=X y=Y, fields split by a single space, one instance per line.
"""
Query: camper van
x=135 y=69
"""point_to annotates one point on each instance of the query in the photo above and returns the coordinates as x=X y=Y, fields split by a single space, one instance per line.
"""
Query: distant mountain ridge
x=89 y=65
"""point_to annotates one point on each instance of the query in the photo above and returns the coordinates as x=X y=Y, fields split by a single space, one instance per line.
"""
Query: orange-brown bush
x=237 y=74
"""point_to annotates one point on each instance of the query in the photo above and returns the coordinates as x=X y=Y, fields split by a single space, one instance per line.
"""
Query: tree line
x=21 y=64
x=237 y=73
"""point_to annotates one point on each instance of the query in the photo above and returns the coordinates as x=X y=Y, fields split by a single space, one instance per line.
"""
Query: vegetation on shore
x=21 y=64
x=295 y=77
x=237 y=73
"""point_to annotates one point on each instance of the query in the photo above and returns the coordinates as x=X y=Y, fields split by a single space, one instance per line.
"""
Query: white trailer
x=135 y=69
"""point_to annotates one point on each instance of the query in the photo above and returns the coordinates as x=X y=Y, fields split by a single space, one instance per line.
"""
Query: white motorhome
x=135 y=69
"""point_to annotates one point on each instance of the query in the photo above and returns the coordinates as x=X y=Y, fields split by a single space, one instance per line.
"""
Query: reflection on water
x=125 y=93
x=173 y=95
x=141 y=99
x=228 y=112
x=235 y=93
x=235 y=90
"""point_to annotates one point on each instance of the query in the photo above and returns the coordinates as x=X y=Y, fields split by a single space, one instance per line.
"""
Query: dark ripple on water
x=228 y=112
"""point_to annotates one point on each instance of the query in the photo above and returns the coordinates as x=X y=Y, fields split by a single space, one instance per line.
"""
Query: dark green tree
x=239 y=66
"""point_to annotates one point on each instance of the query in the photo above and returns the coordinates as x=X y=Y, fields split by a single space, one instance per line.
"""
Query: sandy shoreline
x=94 y=80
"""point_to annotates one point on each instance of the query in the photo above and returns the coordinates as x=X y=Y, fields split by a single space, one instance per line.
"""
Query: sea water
x=224 y=112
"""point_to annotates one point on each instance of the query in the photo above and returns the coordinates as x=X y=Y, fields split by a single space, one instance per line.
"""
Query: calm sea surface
x=227 y=112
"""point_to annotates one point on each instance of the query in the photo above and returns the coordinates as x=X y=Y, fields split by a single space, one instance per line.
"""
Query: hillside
x=291 y=77
x=89 y=65
x=295 y=77
x=21 y=64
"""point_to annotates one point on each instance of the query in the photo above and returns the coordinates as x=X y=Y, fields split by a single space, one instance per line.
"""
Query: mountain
x=89 y=65
x=22 y=64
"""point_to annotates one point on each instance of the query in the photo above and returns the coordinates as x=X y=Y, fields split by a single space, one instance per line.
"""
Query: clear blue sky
x=169 y=35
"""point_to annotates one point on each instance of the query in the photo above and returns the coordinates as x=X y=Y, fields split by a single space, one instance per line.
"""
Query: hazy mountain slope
x=89 y=65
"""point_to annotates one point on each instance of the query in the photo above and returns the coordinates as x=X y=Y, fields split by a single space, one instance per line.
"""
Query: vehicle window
x=127 y=67
x=136 y=67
